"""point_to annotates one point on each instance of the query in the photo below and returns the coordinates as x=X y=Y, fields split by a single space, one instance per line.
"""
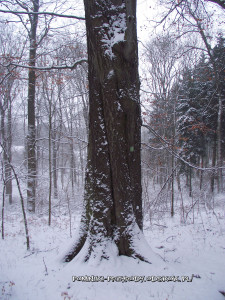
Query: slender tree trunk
x=85 y=112
x=172 y=188
x=21 y=197
x=72 y=166
x=54 y=162
x=39 y=149
x=213 y=165
x=9 y=152
x=201 y=173
x=31 y=138
x=190 y=182
x=50 y=164
x=81 y=157
x=7 y=143
x=3 y=140
x=219 y=143
x=61 y=147
x=113 y=193
x=178 y=182
x=173 y=160
x=3 y=202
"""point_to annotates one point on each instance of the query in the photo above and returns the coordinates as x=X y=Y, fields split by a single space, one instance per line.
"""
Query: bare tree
x=7 y=94
x=193 y=18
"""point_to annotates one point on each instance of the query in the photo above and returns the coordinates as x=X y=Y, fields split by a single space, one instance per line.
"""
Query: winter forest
x=112 y=149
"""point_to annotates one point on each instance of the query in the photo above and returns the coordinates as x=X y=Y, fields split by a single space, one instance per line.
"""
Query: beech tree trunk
x=113 y=192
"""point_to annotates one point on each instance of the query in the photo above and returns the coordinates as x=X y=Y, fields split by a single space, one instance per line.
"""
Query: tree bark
x=72 y=165
x=9 y=150
x=113 y=193
x=31 y=139
x=219 y=141
x=6 y=137
x=213 y=164
x=190 y=182
x=54 y=161
x=50 y=163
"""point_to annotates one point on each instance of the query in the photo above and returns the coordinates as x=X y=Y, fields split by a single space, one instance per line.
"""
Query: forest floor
x=194 y=248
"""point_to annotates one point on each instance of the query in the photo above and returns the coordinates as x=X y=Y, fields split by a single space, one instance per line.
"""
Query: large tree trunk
x=113 y=193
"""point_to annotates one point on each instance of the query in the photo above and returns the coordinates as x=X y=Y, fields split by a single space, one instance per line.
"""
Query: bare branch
x=170 y=12
x=172 y=152
x=53 y=67
x=41 y=13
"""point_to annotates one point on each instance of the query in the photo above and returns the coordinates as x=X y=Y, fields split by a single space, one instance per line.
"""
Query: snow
x=18 y=148
x=196 y=248
x=114 y=33
x=111 y=74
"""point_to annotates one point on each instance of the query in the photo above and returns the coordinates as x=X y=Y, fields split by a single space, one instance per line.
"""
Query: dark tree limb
x=49 y=68
x=41 y=13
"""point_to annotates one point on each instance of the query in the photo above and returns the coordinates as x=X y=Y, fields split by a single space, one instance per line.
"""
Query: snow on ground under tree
x=194 y=248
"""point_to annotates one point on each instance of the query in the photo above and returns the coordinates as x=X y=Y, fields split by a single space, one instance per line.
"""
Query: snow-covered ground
x=195 y=249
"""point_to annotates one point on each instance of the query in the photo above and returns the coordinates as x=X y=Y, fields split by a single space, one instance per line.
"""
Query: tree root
x=102 y=248
x=76 y=248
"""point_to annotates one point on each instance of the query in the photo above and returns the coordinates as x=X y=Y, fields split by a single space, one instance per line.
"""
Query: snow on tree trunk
x=112 y=218
x=31 y=138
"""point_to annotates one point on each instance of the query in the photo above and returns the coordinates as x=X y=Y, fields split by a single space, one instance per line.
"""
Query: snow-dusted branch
x=172 y=9
x=41 y=13
x=153 y=148
x=53 y=67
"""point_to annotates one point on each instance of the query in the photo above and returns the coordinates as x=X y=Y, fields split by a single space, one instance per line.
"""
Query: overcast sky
x=146 y=11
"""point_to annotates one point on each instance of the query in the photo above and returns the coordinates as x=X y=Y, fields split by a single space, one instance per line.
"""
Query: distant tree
x=27 y=13
x=31 y=137
x=198 y=109
x=190 y=110
x=8 y=85
x=217 y=60
x=194 y=17
x=161 y=69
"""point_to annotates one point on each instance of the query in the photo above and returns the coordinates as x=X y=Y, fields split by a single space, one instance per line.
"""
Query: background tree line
x=53 y=100
x=183 y=106
x=44 y=110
